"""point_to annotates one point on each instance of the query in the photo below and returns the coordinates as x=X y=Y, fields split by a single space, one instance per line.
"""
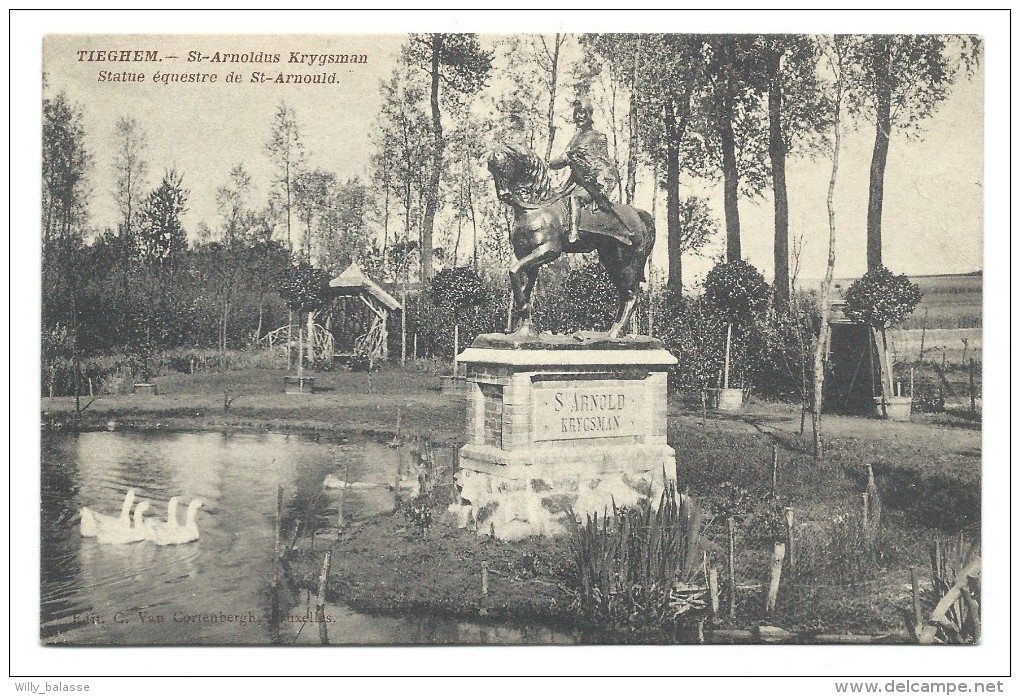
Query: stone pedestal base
x=560 y=426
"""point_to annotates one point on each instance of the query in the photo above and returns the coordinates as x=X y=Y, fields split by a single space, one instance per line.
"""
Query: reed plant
x=956 y=592
x=640 y=567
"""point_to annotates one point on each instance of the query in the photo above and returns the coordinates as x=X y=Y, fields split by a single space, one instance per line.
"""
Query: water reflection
x=214 y=591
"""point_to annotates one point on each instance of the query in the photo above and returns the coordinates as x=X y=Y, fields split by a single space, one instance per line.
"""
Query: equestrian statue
x=579 y=218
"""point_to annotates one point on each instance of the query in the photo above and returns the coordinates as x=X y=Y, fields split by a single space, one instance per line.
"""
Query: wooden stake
x=320 y=600
x=789 y=534
x=704 y=409
x=713 y=591
x=915 y=594
x=293 y=537
x=775 y=469
x=731 y=528
x=396 y=481
x=340 y=507
x=973 y=393
x=726 y=367
x=864 y=516
x=778 y=554
x=456 y=348
x=484 y=610
x=279 y=521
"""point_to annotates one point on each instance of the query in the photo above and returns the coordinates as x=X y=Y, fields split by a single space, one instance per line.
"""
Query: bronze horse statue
x=623 y=237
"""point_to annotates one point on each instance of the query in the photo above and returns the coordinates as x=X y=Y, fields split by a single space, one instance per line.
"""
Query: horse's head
x=519 y=173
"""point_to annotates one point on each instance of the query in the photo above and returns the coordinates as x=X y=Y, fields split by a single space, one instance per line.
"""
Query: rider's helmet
x=584 y=104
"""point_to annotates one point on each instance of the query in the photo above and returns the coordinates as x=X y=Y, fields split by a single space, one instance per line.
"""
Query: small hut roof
x=353 y=281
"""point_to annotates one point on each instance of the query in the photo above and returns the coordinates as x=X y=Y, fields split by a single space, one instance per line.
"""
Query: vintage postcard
x=512 y=338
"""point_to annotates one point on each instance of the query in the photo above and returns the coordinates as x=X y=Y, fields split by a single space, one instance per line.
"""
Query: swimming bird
x=126 y=535
x=92 y=522
x=157 y=528
x=170 y=532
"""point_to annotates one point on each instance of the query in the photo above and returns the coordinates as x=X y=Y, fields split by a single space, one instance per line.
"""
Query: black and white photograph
x=553 y=335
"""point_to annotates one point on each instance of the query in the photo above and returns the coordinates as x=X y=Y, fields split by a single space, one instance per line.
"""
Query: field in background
x=954 y=346
x=947 y=301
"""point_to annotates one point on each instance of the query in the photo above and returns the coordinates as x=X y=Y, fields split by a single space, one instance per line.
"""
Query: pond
x=214 y=591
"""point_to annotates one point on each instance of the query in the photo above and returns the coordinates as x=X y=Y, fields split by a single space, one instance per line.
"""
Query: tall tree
x=162 y=240
x=65 y=165
x=131 y=169
x=733 y=126
x=403 y=140
x=674 y=84
x=798 y=119
x=697 y=226
x=608 y=73
x=837 y=50
x=160 y=310
x=462 y=66
x=232 y=202
x=287 y=153
x=313 y=193
x=903 y=79
x=533 y=63
x=466 y=180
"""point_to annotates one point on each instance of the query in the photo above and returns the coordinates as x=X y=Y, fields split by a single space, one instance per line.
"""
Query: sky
x=937 y=203
x=933 y=186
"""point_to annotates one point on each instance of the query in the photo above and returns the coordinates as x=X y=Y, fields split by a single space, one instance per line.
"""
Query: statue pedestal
x=558 y=424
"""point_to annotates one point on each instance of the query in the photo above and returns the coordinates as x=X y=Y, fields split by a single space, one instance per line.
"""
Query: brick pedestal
x=558 y=424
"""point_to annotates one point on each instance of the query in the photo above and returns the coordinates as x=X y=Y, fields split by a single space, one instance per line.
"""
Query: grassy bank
x=928 y=475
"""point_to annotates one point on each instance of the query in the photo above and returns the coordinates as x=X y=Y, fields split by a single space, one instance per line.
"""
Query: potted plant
x=737 y=291
x=882 y=300
x=305 y=289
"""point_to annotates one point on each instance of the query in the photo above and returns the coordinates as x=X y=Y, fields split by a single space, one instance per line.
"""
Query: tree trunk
x=474 y=228
x=777 y=155
x=883 y=127
x=554 y=59
x=258 y=329
x=731 y=177
x=823 y=333
x=632 y=120
x=432 y=194
x=674 y=240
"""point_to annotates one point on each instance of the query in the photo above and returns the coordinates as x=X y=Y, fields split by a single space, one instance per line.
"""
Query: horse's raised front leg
x=625 y=305
x=523 y=275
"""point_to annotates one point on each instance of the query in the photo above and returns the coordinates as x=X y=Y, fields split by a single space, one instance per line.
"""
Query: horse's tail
x=649 y=241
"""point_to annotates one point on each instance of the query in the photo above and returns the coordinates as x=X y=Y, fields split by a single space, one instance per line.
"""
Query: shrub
x=881 y=299
x=766 y=352
x=737 y=291
x=461 y=287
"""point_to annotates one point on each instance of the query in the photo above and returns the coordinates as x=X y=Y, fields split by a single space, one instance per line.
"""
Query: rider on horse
x=592 y=172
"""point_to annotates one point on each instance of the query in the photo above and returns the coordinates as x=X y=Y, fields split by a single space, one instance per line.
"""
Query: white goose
x=92 y=522
x=158 y=529
x=170 y=532
x=126 y=535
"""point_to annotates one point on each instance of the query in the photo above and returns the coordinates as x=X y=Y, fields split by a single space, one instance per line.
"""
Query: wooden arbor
x=354 y=283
